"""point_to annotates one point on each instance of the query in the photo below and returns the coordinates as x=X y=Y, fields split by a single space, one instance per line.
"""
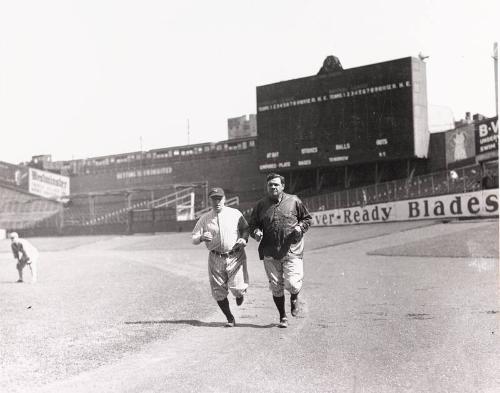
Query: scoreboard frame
x=359 y=115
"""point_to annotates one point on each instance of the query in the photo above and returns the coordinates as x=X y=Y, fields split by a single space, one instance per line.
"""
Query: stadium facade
x=337 y=130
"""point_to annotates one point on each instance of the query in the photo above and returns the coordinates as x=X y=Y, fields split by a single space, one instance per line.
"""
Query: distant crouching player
x=25 y=254
x=224 y=231
x=279 y=222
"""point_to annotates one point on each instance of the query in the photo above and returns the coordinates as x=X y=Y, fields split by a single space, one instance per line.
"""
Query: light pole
x=495 y=67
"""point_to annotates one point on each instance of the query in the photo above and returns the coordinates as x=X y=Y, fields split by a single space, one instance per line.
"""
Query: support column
x=130 y=222
x=153 y=219
x=347 y=177
x=293 y=183
x=128 y=199
x=92 y=207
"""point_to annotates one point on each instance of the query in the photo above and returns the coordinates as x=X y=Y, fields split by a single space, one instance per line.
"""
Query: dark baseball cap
x=216 y=191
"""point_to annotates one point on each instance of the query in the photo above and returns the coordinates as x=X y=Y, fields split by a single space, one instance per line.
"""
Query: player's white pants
x=227 y=274
x=286 y=273
x=33 y=265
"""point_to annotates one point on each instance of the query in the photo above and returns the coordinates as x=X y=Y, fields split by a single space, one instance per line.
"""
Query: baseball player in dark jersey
x=224 y=231
x=279 y=222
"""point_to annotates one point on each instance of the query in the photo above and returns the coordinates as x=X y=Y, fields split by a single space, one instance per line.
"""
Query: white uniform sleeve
x=198 y=230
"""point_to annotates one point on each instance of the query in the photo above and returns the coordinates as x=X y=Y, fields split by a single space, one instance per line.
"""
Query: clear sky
x=81 y=78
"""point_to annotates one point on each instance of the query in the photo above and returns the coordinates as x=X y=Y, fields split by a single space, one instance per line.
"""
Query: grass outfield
x=100 y=298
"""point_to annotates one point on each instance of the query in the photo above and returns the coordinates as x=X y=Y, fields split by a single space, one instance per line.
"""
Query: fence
x=159 y=219
x=447 y=182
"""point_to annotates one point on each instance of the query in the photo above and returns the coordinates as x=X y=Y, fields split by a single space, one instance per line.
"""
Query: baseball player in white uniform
x=224 y=231
x=26 y=254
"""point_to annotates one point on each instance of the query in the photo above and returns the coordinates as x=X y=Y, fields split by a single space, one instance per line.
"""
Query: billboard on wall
x=487 y=138
x=460 y=144
x=471 y=204
x=48 y=184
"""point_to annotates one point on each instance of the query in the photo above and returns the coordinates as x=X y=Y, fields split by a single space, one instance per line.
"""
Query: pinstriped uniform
x=226 y=273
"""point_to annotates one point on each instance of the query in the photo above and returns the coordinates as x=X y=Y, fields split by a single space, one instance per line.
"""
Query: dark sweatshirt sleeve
x=303 y=216
x=254 y=221
x=243 y=231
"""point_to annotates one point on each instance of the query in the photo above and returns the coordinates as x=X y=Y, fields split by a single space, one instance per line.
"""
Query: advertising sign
x=487 y=137
x=471 y=204
x=460 y=144
x=48 y=184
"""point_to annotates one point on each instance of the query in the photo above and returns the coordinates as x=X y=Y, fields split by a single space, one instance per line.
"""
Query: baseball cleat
x=283 y=323
x=294 y=307
x=239 y=300
x=231 y=323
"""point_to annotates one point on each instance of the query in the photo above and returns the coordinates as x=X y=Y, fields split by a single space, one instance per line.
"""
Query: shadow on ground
x=195 y=322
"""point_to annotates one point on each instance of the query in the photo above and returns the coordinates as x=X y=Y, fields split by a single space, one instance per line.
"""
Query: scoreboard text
x=357 y=115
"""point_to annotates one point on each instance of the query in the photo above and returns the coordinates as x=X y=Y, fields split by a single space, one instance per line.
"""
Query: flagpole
x=495 y=66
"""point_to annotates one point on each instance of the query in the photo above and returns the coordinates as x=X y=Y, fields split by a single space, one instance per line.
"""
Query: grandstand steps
x=102 y=215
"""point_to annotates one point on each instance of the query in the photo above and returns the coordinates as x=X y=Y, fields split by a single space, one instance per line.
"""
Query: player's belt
x=224 y=254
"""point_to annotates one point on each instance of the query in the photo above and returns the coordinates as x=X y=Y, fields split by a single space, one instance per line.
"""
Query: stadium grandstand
x=342 y=138
x=23 y=211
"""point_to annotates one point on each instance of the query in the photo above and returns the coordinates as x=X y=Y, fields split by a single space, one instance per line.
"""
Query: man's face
x=217 y=203
x=275 y=188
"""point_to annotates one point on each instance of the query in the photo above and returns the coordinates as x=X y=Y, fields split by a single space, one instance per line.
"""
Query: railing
x=120 y=215
x=465 y=179
x=171 y=199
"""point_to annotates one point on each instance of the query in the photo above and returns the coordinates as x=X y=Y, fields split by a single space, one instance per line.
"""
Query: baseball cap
x=13 y=235
x=216 y=191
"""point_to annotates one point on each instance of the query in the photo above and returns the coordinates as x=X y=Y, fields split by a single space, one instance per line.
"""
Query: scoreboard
x=359 y=115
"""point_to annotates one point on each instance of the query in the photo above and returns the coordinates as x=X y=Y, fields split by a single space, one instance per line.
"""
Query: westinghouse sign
x=472 y=204
x=48 y=184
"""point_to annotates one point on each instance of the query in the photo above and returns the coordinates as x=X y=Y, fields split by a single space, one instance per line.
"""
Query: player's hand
x=206 y=237
x=240 y=244
x=257 y=235
x=297 y=233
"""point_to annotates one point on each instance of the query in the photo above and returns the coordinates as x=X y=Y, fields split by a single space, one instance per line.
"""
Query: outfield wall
x=467 y=205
